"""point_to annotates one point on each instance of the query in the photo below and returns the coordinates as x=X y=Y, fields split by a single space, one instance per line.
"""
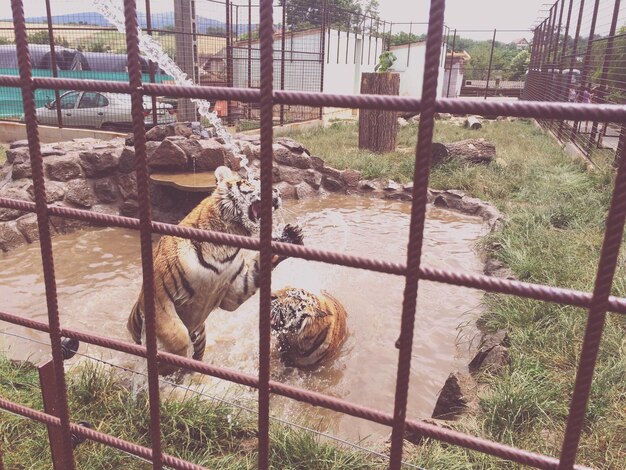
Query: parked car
x=101 y=111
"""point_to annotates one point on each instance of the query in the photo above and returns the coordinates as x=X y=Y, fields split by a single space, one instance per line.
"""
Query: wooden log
x=473 y=123
x=471 y=150
x=377 y=128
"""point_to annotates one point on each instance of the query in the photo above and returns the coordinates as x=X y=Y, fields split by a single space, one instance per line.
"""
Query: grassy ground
x=209 y=434
x=556 y=211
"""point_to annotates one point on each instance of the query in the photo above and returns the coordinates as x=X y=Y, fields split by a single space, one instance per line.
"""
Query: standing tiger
x=310 y=327
x=192 y=278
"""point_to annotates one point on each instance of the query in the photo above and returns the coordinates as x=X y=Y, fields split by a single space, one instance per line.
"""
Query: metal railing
x=578 y=55
x=597 y=302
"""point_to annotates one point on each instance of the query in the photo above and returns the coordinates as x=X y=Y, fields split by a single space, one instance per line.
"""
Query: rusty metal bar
x=53 y=63
x=145 y=232
x=265 y=272
x=49 y=387
x=282 y=62
x=566 y=84
x=45 y=240
x=229 y=58
x=574 y=53
x=322 y=49
x=416 y=232
x=493 y=43
x=451 y=64
x=558 y=32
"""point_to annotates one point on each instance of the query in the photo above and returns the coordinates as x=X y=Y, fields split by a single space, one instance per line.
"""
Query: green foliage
x=342 y=14
x=405 y=38
x=41 y=37
x=4 y=41
x=385 y=62
x=519 y=65
x=98 y=46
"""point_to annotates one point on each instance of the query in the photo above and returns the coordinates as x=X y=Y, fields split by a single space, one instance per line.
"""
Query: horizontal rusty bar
x=476 y=281
x=313 y=398
x=530 y=109
x=96 y=436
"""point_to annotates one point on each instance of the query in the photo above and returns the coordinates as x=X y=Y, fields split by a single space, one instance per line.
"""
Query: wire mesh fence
x=579 y=56
x=268 y=97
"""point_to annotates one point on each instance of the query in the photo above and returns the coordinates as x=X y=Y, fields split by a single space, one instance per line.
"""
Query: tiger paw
x=292 y=234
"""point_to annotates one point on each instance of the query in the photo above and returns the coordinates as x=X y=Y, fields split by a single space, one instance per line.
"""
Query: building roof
x=520 y=41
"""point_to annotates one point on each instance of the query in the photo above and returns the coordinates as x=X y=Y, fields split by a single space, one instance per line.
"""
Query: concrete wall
x=456 y=77
x=12 y=131
x=410 y=66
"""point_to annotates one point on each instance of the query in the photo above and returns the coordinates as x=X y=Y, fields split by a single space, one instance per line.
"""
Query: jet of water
x=153 y=50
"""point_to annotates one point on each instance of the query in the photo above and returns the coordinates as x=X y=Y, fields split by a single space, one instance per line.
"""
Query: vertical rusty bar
x=547 y=85
x=139 y=131
x=53 y=62
x=451 y=64
x=376 y=41
x=348 y=38
x=338 y=43
x=597 y=316
x=322 y=49
x=229 y=58
x=558 y=33
x=565 y=81
x=416 y=231
x=369 y=47
x=151 y=64
x=363 y=37
x=48 y=386
x=236 y=22
x=493 y=43
x=328 y=41
x=45 y=241
x=266 y=105
x=356 y=39
x=282 y=62
x=389 y=36
x=408 y=52
x=572 y=61
x=249 y=47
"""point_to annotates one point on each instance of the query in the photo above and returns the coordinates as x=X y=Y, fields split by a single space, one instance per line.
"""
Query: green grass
x=206 y=433
x=556 y=210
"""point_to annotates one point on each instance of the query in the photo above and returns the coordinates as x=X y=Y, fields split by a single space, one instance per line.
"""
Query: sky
x=460 y=14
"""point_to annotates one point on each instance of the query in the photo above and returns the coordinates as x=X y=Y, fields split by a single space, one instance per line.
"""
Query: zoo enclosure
x=579 y=55
x=598 y=302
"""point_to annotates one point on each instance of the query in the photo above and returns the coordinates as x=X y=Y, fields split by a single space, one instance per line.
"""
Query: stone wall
x=99 y=175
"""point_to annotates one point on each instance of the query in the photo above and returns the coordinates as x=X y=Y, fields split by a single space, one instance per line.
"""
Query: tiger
x=193 y=278
x=310 y=328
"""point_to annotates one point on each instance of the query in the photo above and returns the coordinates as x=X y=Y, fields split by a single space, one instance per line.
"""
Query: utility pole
x=184 y=25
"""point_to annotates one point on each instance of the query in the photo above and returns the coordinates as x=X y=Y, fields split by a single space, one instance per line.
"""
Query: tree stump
x=471 y=150
x=377 y=128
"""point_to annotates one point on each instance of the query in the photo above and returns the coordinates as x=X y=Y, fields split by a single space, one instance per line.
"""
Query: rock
x=10 y=236
x=304 y=191
x=99 y=163
x=407 y=188
x=489 y=342
x=455 y=397
x=497 y=268
x=207 y=154
x=313 y=178
x=168 y=156
x=127 y=160
x=282 y=155
x=443 y=116
x=127 y=183
x=129 y=208
x=18 y=143
x=334 y=184
x=151 y=147
x=367 y=185
x=290 y=175
x=55 y=191
x=331 y=172
x=106 y=190
x=391 y=186
x=295 y=147
x=415 y=119
x=14 y=191
x=49 y=152
x=66 y=225
x=496 y=360
x=317 y=163
x=250 y=150
x=79 y=193
x=158 y=133
x=22 y=170
x=287 y=191
x=18 y=154
x=351 y=177
x=233 y=161
x=63 y=168
x=302 y=160
x=28 y=227
x=399 y=196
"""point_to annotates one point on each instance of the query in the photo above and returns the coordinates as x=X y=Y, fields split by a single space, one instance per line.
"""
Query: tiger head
x=309 y=327
x=239 y=199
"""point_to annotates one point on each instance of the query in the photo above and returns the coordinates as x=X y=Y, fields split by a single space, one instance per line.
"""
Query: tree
x=518 y=66
x=342 y=14
x=41 y=37
x=405 y=38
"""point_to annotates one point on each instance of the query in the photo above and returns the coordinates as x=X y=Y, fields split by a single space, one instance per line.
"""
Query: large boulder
x=63 y=168
x=127 y=183
x=106 y=190
x=168 y=156
x=127 y=160
x=55 y=191
x=80 y=193
x=457 y=396
x=290 y=175
x=304 y=191
x=287 y=191
x=351 y=177
x=18 y=154
x=99 y=163
x=16 y=190
x=10 y=236
x=204 y=155
x=28 y=227
x=313 y=178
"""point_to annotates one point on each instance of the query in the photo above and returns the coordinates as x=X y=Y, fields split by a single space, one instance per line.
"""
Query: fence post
x=282 y=61
x=183 y=18
x=323 y=49
x=451 y=64
x=565 y=81
x=229 y=58
x=574 y=52
x=249 y=53
x=151 y=64
x=53 y=60
x=493 y=42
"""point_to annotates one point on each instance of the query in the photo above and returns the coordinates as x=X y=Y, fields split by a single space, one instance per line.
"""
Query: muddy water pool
x=99 y=276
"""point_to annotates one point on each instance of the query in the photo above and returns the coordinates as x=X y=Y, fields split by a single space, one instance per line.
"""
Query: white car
x=101 y=110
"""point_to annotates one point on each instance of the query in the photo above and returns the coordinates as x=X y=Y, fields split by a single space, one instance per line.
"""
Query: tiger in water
x=310 y=328
x=192 y=278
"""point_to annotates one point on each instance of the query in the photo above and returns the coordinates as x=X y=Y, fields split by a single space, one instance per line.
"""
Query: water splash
x=153 y=51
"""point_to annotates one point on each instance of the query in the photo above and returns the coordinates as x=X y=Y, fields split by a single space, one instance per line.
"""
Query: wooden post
x=378 y=129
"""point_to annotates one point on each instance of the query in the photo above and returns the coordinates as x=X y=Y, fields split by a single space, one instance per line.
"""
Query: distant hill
x=159 y=21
